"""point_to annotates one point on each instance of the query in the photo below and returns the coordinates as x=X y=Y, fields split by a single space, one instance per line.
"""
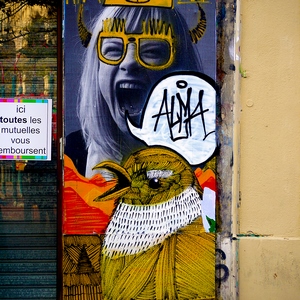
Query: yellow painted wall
x=269 y=213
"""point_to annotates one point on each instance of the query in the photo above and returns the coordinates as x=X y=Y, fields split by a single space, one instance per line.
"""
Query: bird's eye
x=154 y=183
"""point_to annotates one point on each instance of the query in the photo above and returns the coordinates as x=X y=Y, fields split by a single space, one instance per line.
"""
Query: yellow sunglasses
x=153 y=50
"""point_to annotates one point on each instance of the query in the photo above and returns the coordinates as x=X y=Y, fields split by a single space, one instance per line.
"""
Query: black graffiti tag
x=180 y=114
x=222 y=271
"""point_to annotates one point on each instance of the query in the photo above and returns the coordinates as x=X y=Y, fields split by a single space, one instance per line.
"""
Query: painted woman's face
x=129 y=66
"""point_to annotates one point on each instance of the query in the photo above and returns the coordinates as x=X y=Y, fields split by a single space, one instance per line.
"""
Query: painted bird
x=155 y=245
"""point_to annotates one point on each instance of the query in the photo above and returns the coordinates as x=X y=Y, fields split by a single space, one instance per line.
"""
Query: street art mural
x=139 y=161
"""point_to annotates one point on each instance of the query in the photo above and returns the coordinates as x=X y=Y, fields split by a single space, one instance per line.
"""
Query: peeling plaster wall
x=227 y=162
x=269 y=208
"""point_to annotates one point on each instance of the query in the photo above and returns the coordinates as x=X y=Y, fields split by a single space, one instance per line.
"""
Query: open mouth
x=131 y=98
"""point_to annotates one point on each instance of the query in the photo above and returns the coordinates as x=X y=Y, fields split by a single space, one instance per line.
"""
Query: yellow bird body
x=155 y=246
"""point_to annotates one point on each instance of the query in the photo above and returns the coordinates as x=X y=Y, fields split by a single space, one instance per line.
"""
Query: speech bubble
x=180 y=114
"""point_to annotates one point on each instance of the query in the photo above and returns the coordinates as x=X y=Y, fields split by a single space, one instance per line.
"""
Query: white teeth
x=132 y=114
x=127 y=85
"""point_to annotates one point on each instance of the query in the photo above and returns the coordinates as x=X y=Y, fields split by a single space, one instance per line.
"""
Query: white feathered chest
x=136 y=228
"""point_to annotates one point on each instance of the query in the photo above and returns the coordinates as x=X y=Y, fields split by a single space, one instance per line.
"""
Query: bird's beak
x=122 y=177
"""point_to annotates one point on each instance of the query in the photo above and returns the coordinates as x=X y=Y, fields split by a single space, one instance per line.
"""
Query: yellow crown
x=158 y=3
